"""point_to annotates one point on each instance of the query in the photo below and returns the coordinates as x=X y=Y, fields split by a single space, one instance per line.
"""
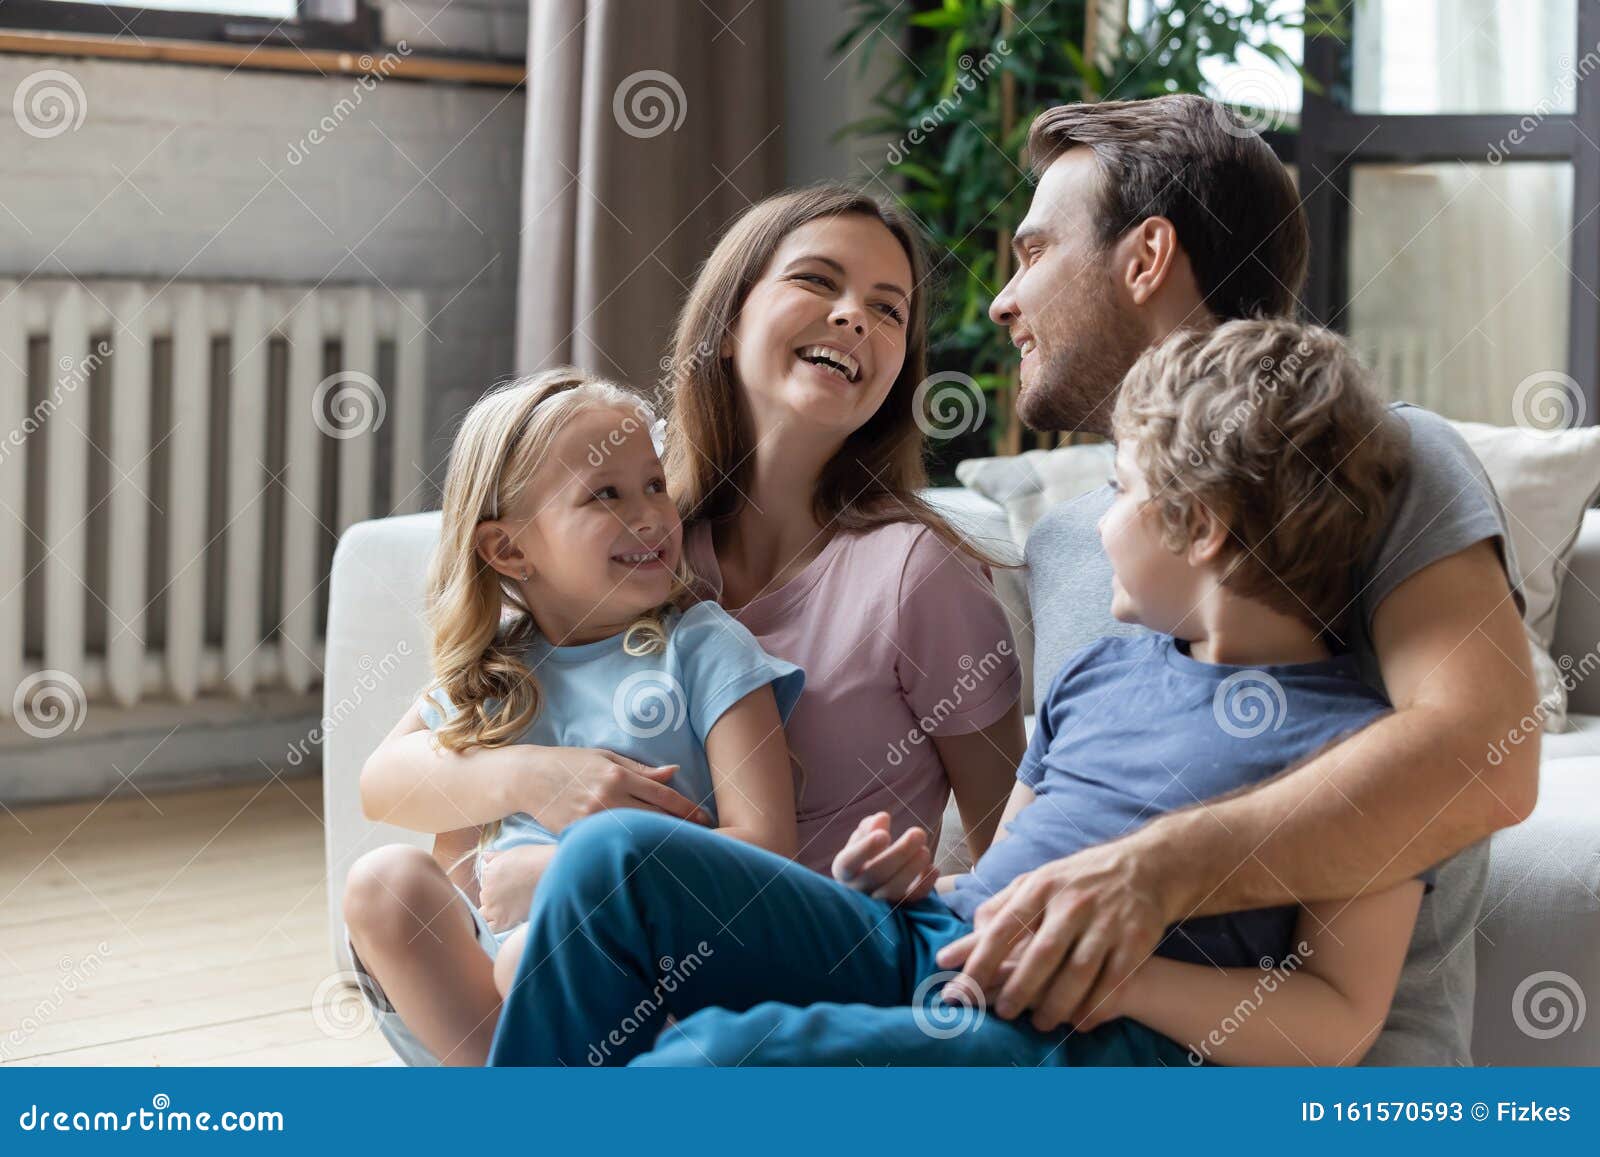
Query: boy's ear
x=495 y=546
x=1208 y=535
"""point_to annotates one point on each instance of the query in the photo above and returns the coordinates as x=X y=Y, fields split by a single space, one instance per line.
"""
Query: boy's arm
x=1323 y=1005
x=750 y=774
x=1409 y=791
x=982 y=766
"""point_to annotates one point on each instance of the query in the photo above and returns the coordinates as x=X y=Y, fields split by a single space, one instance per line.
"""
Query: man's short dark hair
x=1192 y=161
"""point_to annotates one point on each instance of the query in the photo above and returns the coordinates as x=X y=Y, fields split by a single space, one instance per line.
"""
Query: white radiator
x=79 y=355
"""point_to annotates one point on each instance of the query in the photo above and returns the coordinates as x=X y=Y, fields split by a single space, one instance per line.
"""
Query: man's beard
x=1076 y=388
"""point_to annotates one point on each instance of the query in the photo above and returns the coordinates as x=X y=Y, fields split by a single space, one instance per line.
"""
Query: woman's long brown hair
x=876 y=477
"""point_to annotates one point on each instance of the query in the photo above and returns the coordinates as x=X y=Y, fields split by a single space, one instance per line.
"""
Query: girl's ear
x=1208 y=536
x=496 y=548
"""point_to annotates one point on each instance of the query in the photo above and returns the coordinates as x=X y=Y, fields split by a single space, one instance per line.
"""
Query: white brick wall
x=185 y=171
x=496 y=28
x=490 y=28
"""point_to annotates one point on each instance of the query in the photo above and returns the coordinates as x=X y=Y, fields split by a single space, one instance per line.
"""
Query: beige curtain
x=651 y=123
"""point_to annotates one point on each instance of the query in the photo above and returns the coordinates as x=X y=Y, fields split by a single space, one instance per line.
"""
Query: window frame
x=1332 y=140
x=306 y=31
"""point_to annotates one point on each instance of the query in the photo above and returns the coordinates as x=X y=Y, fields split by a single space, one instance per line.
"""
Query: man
x=1155 y=215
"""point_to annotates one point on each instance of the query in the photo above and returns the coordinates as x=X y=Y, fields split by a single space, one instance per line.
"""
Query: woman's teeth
x=640 y=557
x=829 y=358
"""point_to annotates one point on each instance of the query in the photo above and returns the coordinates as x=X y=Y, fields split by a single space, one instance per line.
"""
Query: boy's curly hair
x=1272 y=426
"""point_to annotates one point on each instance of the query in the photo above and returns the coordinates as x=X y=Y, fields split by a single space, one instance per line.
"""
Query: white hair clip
x=658 y=436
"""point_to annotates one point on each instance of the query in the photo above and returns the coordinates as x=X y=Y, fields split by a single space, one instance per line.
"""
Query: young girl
x=559 y=617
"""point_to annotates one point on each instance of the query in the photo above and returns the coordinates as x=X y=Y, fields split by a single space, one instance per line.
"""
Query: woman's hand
x=506 y=883
x=900 y=871
x=565 y=784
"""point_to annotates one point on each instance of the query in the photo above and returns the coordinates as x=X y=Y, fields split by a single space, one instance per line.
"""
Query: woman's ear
x=497 y=548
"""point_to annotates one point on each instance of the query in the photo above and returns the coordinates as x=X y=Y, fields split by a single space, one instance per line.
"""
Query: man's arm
x=1411 y=790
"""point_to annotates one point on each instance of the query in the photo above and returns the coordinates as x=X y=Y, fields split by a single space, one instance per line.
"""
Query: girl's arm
x=412 y=782
x=750 y=775
x=1324 y=1008
x=982 y=766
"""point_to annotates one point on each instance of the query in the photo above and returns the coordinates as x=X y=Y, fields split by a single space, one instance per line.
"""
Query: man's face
x=1065 y=307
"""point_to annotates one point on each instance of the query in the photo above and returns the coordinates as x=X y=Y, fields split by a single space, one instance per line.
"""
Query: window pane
x=274 y=9
x=1467 y=56
x=1459 y=282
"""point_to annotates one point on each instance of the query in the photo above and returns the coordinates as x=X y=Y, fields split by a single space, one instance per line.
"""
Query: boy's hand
x=900 y=871
x=506 y=883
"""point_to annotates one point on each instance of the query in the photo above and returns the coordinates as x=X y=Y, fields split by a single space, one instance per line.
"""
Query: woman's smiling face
x=821 y=336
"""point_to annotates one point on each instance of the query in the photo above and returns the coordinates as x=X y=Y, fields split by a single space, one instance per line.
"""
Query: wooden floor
x=186 y=929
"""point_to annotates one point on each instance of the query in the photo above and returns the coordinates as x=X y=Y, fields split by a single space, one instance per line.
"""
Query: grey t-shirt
x=1446 y=504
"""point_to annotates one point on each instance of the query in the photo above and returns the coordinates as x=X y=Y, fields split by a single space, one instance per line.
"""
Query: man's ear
x=495 y=546
x=1208 y=535
x=1146 y=258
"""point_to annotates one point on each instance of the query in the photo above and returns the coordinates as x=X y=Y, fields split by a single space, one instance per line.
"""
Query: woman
x=795 y=456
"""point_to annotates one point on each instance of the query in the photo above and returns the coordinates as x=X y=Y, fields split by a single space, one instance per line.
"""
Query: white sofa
x=1538 y=947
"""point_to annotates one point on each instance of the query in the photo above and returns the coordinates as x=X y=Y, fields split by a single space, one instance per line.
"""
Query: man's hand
x=506 y=883
x=900 y=871
x=1062 y=938
x=589 y=780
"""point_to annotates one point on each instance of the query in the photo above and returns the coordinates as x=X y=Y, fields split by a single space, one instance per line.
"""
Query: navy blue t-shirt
x=1133 y=727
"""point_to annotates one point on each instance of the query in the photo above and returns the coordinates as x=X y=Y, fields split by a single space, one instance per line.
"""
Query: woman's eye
x=1115 y=488
x=815 y=278
x=656 y=486
x=606 y=492
x=893 y=311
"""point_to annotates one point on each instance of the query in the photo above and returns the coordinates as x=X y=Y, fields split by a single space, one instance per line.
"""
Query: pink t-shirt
x=901 y=639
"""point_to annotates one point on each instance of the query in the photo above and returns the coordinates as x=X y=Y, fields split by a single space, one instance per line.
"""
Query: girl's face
x=595 y=530
x=1151 y=584
x=821 y=336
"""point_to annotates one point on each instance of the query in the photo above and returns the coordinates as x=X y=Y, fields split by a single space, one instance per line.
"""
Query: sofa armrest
x=1577 y=631
x=375 y=665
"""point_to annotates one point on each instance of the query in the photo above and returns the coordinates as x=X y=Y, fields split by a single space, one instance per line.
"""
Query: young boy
x=1253 y=468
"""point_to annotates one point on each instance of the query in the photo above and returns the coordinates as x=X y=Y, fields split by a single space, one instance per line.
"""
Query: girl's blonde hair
x=479 y=622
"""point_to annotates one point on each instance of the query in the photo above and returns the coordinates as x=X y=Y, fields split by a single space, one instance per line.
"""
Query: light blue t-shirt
x=656 y=708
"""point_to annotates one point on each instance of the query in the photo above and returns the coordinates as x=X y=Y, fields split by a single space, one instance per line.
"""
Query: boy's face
x=1151 y=584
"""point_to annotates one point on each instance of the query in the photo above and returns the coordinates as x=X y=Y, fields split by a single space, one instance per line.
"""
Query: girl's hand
x=506 y=883
x=587 y=780
x=900 y=871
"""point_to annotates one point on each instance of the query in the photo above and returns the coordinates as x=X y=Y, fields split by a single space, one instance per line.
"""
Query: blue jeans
x=759 y=960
